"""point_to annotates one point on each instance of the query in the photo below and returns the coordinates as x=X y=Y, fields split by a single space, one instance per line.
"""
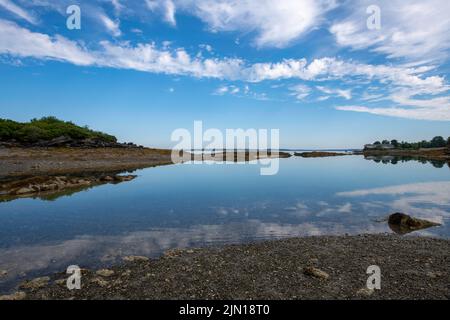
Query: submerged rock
x=36 y=283
x=402 y=223
x=15 y=296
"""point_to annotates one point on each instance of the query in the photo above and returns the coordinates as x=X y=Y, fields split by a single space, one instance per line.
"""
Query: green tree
x=438 y=142
x=395 y=143
x=377 y=143
x=48 y=128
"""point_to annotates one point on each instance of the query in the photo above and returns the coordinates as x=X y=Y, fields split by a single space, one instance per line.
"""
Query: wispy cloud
x=18 y=11
x=118 y=6
x=441 y=113
x=415 y=29
x=346 y=94
x=21 y=42
x=300 y=91
x=112 y=26
x=413 y=90
x=275 y=23
x=167 y=7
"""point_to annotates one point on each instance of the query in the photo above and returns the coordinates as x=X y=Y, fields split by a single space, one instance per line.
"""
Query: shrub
x=48 y=128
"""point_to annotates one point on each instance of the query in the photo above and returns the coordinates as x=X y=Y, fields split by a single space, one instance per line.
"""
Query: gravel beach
x=322 y=267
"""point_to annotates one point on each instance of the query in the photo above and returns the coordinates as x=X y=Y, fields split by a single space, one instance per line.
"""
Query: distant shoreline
x=425 y=154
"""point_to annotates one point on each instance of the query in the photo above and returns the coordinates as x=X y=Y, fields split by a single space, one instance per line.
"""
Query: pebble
x=100 y=282
x=104 y=272
x=315 y=272
x=364 y=292
x=135 y=258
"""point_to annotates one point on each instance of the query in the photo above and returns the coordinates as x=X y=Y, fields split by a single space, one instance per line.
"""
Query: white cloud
x=413 y=29
x=346 y=94
x=323 y=98
x=240 y=92
x=441 y=113
x=300 y=91
x=148 y=58
x=167 y=7
x=206 y=47
x=332 y=68
x=233 y=90
x=411 y=91
x=112 y=26
x=118 y=7
x=21 y=42
x=221 y=90
x=18 y=11
x=276 y=23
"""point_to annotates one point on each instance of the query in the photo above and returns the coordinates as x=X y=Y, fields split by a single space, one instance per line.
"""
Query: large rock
x=24 y=191
x=402 y=223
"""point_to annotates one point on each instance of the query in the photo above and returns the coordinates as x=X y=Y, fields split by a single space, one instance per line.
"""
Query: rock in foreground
x=402 y=223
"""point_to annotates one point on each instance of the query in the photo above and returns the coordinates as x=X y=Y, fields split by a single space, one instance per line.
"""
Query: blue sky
x=313 y=69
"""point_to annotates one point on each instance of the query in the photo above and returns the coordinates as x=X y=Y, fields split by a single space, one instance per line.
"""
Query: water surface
x=196 y=205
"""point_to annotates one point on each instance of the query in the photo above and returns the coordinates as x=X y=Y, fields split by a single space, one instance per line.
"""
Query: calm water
x=196 y=205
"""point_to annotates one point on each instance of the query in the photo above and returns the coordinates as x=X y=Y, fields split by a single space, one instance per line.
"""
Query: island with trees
x=437 y=148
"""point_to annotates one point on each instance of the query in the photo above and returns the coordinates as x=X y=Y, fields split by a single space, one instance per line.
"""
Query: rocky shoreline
x=440 y=154
x=321 y=267
x=52 y=186
x=320 y=154
x=27 y=162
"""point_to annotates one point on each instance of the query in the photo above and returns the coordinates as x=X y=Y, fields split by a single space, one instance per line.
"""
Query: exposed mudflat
x=323 y=267
x=47 y=161
x=320 y=154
